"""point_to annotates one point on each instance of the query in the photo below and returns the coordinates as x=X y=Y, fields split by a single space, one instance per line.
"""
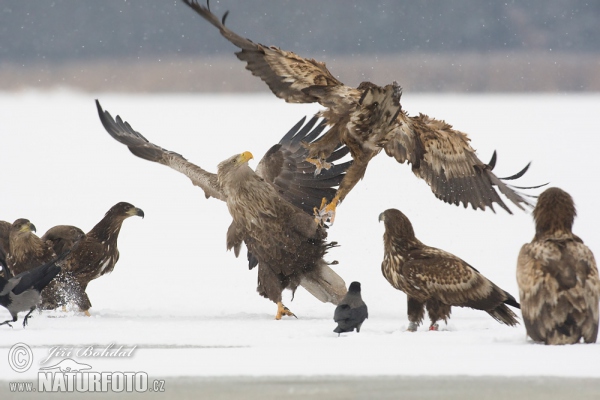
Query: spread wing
x=122 y=132
x=289 y=76
x=451 y=280
x=284 y=167
x=444 y=158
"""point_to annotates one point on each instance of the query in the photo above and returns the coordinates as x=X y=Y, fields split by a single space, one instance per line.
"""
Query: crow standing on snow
x=351 y=312
x=23 y=292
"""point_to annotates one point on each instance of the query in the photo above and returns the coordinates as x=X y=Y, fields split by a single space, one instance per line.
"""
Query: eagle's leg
x=27 y=317
x=437 y=311
x=8 y=321
x=415 y=311
x=283 y=310
x=326 y=213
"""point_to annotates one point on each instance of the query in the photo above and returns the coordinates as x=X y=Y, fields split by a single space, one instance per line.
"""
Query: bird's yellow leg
x=327 y=212
x=283 y=310
x=87 y=313
x=320 y=163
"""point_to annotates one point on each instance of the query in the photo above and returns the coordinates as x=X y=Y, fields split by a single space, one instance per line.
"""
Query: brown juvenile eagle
x=92 y=255
x=369 y=118
x=557 y=276
x=271 y=208
x=436 y=279
x=26 y=250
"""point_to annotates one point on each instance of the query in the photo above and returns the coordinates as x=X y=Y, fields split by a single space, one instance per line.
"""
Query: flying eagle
x=369 y=118
x=271 y=207
x=91 y=256
x=436 y=279
x=557 y=276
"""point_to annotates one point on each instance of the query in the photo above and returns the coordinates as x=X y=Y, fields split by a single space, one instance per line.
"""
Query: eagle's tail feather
x=504 y=315
x=324 y=284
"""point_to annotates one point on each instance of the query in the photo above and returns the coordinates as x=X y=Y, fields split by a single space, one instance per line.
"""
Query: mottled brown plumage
x=368 y=119
x=271 y=208
x=557 y=276
x=436 y=279
x=26 y=250
x=63 y=237
x=4 y=246
x=94 y=255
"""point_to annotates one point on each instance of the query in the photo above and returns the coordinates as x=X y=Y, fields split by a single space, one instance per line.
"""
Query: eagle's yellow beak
x=246 y=156
x=28 y=227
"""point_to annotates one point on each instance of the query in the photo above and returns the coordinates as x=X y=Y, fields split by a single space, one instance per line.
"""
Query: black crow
x=351 y=312
x=22 y=292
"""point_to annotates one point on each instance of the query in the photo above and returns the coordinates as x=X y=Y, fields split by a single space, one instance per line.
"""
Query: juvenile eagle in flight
x=557 y=276
x=435 y=279
x=369 y=118
x=271 y=208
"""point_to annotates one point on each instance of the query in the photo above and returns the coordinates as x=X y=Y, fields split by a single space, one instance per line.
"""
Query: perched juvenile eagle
x=271 y=208
x=351 y=312
x=436 y=279
x=368 y=119
x=557 y=276
x=92 y=256
x=22 y=292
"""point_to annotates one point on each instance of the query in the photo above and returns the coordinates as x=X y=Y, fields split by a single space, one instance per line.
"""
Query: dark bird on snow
x=22 y=292
x=92 y=255
x=351 y=312
x=557 y=276
x=368 y=119
x=271 y=208
x=435 y=279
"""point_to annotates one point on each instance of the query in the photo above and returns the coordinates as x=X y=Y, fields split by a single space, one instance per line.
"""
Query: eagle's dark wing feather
x=141 y=147
x=444 y=158
x=284 y=167
x=289 y=76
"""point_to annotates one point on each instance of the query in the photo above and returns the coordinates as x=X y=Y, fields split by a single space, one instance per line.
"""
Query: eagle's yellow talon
x=283 y=310
x=320 y=164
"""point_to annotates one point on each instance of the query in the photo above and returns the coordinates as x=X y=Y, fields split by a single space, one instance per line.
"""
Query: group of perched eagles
x=281 y=212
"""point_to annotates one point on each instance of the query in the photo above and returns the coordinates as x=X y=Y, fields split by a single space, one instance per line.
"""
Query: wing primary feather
x=492 y=162
x=288 y=137
x=518 y=174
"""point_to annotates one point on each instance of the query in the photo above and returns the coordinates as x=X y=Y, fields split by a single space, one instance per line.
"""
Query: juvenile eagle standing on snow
x=557 y=276
x=271 y=208
x=92 y=256
x=368 y=119
x=436 y=279
x=26 y=250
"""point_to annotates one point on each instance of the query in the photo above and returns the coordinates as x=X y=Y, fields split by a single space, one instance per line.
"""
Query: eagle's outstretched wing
x=283 y=166
x=444 y=158
x=289 y=76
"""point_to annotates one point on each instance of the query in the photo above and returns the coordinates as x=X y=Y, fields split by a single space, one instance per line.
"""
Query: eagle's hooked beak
x=245 y=157
x=29 y=227
x=381 y=217
x=136 y=212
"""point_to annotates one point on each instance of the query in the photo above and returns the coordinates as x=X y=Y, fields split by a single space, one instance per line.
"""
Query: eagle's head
x=554 y=211
x=22 y=226
x=397 y=225
x=234 y=168
x=125 y=210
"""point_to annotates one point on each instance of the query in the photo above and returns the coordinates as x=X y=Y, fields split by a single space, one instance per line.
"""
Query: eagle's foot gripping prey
x=283 y=310
x=326 y=213
x=320 y=163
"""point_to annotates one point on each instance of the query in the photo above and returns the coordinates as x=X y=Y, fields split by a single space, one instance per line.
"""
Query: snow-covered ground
x=190 y=308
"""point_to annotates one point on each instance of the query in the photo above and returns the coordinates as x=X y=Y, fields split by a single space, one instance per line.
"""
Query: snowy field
x=190 y=308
